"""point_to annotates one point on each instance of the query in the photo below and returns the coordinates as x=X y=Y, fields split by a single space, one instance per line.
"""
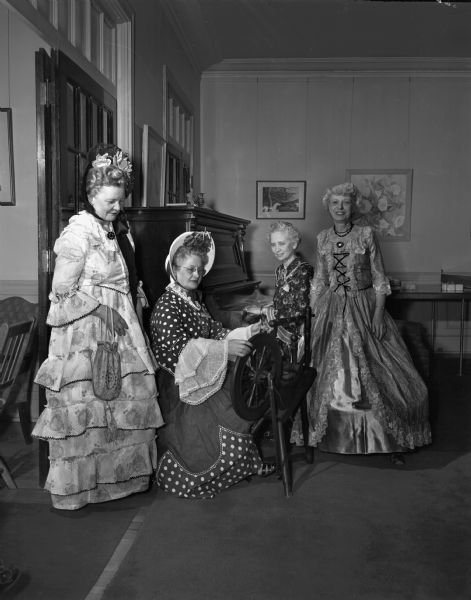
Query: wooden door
x=73 y=113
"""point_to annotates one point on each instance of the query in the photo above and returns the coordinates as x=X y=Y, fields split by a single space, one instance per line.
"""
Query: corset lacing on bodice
x=342 y=279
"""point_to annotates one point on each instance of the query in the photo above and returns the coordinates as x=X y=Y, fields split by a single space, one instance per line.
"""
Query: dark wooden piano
x=227 y=287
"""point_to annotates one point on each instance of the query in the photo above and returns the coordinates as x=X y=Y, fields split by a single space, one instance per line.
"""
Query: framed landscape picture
x=281 y=199
x=385 y=202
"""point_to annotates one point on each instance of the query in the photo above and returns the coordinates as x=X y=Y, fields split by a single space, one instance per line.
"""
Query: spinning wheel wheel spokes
x=250 y=379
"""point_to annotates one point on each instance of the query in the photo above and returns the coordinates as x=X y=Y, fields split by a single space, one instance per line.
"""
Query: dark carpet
x=357 y=528
x=61 y=554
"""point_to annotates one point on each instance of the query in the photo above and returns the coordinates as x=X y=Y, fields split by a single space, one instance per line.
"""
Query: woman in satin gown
x=367 y=397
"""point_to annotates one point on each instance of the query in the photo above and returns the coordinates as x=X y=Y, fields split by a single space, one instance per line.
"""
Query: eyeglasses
x=192 y=270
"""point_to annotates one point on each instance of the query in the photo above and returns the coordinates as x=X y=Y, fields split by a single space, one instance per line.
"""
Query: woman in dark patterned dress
x=292 y=283
x=368 y=396
x=206 y=446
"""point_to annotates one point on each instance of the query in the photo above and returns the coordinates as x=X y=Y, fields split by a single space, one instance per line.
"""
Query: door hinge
x=46 y=261
x=45 y=93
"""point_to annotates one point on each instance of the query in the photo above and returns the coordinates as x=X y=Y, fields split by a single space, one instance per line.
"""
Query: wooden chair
x=14 y=341
x=13 y=310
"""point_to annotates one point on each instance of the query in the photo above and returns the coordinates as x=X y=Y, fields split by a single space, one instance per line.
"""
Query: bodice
x=349 y=263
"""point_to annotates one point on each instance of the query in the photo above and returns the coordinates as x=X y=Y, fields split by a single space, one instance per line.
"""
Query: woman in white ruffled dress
x=99 y=450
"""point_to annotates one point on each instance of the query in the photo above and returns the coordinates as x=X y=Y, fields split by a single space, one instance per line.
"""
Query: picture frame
x=281 y=199
x=153 y=167
x=7 y=170
x=385 y=202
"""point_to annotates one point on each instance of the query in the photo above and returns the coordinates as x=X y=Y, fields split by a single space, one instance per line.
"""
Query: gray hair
x=285 y=227
x=348 y=190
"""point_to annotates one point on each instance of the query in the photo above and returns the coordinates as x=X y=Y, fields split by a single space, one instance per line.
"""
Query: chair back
x=14 y=340
x=15 y=309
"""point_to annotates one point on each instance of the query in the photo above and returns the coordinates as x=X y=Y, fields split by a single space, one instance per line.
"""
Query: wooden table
x=433 y=293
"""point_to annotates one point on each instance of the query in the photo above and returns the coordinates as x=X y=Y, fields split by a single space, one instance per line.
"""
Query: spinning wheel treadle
x=249 y=388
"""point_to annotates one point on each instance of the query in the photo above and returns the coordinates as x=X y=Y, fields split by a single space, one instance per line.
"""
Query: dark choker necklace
x=111 y=234
x=344 y=233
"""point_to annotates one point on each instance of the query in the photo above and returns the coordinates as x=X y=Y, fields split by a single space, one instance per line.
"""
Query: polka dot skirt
x=238 y=459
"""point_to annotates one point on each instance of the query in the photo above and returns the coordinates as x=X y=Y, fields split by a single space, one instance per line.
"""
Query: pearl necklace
x=343 y=233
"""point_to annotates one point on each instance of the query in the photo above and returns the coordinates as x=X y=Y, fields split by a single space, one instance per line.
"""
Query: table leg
x=462 y=336
x=432 y=327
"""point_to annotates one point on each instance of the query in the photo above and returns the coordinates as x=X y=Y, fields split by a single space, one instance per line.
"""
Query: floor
x=50 y=547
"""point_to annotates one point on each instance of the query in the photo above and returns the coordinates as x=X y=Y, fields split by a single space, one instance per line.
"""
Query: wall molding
x=341 y=67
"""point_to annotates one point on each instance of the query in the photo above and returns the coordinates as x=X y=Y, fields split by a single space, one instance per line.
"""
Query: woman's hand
x=255 y=328
x=378 y=324
x=238 y=348
x=104 y=312
x=253 y=309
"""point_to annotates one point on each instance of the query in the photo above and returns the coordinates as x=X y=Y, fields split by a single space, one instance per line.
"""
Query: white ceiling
x=217 y=30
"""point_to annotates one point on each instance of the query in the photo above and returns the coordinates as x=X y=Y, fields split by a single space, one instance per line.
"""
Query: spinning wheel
x=250 y=381
x=258 y=388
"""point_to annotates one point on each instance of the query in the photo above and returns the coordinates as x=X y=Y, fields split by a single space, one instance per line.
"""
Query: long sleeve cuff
x=240 y=333
x=201 y=369
x=382 y=288
x=69 y=307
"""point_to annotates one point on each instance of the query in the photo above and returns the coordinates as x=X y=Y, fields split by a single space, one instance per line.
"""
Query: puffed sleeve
x=321 y=276
x=168 y=334
x=379 y=279
x=303 y=287
x=199 y=364
x=68 y=302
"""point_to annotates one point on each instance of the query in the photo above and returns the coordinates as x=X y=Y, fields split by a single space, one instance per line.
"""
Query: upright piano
x=227 y=287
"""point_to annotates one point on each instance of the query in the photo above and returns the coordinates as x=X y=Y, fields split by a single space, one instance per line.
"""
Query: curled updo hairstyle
x=285 y=227
x=348 y=190
x=198 y=243
x=97 y=177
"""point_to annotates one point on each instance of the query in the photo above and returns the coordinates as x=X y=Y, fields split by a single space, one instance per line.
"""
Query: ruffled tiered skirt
x=99 y=450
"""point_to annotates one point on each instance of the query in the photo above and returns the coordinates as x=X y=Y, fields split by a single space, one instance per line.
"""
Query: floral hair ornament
x=120 y=160
x=197 y=241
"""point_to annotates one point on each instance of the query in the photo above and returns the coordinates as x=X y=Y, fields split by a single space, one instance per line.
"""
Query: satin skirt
x=353 y=366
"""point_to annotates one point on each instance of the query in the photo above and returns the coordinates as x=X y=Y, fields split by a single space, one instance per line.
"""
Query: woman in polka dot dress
x=206 y=447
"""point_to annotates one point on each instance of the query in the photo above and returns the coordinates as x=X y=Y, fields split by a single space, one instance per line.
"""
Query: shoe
x=266 y=470
x=398 y=459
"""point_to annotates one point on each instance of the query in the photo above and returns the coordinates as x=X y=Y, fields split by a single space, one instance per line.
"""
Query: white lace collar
x=184 y=295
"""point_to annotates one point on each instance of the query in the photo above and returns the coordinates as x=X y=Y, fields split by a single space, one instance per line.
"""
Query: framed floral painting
x=385 y=201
